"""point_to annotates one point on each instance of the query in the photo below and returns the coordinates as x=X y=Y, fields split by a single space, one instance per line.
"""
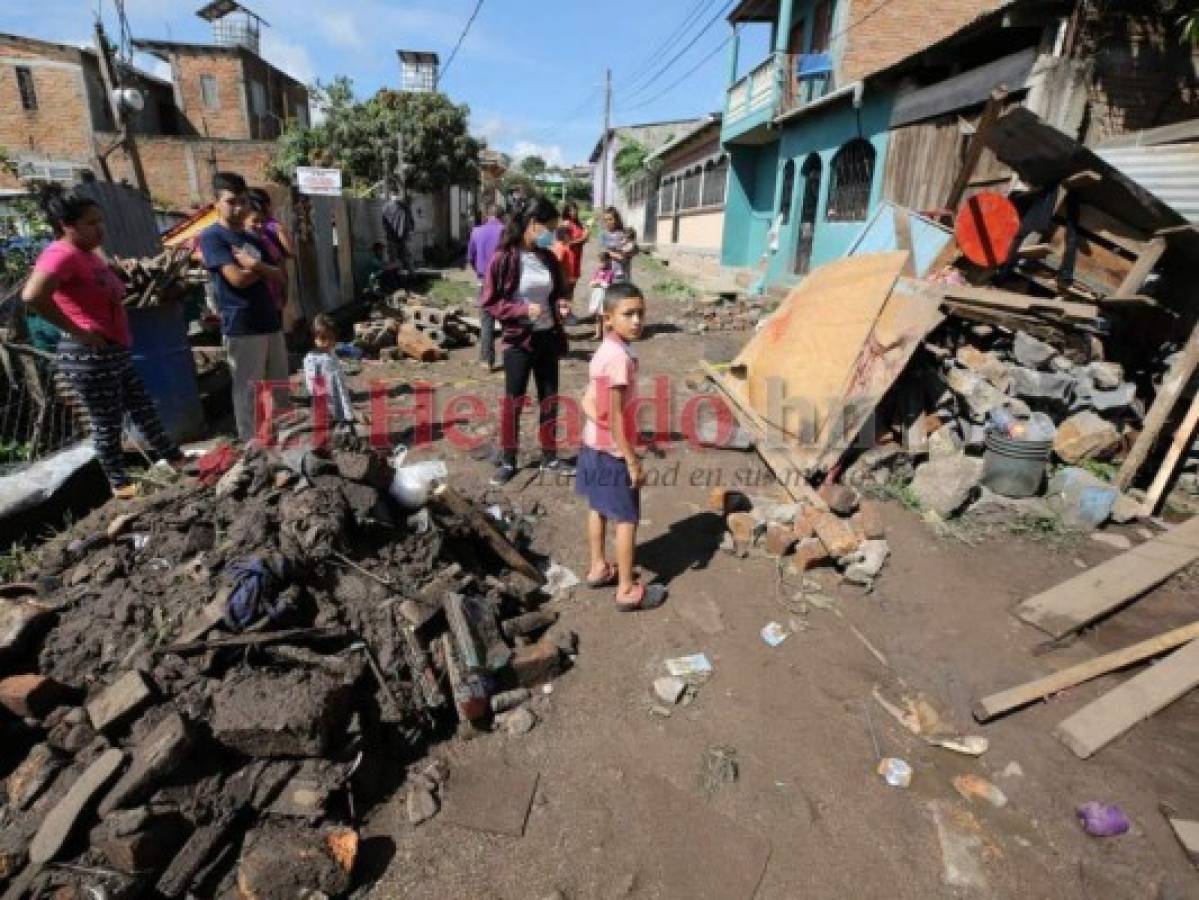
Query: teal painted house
x=807 y=131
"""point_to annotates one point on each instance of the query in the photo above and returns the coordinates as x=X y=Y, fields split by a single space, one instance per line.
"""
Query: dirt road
x=621 y=809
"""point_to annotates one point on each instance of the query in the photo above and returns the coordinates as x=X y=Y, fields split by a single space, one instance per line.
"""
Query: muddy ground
x=621 y=809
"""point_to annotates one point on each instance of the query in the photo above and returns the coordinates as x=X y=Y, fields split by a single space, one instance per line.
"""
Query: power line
x=682 y=78
x=650 y=61
x=461 y=37
x=670 y=62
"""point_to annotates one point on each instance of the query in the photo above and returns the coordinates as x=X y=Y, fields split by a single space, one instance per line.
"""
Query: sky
x=531 y=71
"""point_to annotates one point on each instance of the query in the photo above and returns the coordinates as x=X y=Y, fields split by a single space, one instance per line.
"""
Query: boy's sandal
x=647 y=596
x=608 y=579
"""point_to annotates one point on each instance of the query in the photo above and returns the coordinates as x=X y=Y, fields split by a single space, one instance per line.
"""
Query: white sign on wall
x=320 y=182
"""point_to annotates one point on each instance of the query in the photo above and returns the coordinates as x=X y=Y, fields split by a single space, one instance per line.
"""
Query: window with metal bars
x=209 y=92
x=691 y=189
x=666 y=201
x=851 y=175
x=788 y=191
x=25 y=87
x=716 y=173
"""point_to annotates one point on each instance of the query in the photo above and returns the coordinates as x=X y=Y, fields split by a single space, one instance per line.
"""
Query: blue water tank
x=164 y=360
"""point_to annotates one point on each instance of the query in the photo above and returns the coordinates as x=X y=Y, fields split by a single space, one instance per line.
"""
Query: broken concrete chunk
x=153 y=759
x=56 y=828
x=421 y=806
x=1031 y=352
x=31 y=778
x=945 y=485
x=944 y=442
x=509 y=700
x=537 y=663
x=1084 y=436
x=285 y=862
x=1106 y=376
x=864 y=564
x=118 y=703
x=1033 y=385
x=669 y=689
x=1118 y=400
x=296 y=713
x=836 y=534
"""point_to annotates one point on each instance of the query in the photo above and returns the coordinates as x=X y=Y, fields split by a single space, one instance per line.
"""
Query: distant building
x=418 y=71
x=606 y=188
x=684 y=190
x=223 y=108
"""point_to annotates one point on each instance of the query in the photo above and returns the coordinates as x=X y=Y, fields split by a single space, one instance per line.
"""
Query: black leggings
x=540 y=361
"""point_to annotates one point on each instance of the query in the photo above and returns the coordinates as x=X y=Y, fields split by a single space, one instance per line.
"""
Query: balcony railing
x=806 y=77
x=755 y=90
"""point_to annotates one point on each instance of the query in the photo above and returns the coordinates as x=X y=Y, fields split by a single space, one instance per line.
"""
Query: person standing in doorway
x=483 y=241
x=399 y=225
x=522 y=289
x=73 y=288
x=614 y=239
x=251 y=322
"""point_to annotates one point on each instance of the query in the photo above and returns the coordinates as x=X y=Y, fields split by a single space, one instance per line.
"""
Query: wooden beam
x=1187 y=832
x=785 y=470
x=459 y=506
x=1009 y=301
x=1083 y=599
x=1001 y=702
x=1161 y=410
x=1085 y=178
x=1181 y=443
x=975 y=151
x=1099 y=723
x=1142 y=268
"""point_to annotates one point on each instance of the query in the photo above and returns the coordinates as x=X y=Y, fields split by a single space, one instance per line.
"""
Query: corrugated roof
x=1170 y=171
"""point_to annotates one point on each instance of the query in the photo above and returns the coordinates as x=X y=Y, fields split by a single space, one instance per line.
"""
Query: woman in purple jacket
x=523 y=285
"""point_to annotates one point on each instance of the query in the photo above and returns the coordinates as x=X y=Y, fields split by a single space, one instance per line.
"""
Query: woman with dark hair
x=521 y=291
x=73 y=288
x=578 y=238
x=614 y=239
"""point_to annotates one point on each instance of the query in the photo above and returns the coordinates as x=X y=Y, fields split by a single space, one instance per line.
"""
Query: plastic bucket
x=163 y=358
x=1015 y=468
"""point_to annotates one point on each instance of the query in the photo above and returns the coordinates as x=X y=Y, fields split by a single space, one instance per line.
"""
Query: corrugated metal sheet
x=129 y=226
x=1171 y=171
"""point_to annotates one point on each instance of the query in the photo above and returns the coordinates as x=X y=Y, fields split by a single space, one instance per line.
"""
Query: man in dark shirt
x=251 y=320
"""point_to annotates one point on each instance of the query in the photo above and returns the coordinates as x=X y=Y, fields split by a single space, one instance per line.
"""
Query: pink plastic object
x=1102 y=819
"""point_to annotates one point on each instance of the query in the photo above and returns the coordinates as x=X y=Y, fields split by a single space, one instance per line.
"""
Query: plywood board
x=909 y=314
x=1076 y=603
x=806 y=350
x=1096 y=725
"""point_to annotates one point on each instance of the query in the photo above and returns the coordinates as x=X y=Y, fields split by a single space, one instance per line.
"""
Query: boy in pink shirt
x=609 y=473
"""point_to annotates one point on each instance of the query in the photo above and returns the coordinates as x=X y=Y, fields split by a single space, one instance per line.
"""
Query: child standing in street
x=600 y=282
x=609 y=474
x=562 y=252
x=323 y=372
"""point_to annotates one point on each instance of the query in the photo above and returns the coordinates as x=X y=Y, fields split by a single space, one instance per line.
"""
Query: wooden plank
x=1160 y=412
x=785 y=470
x=1076 y=603
x=1142 y=268
x=975 y=151
x=994 y=705
x=1010 y=301
x=481 y=525
x=1099 y=723
x=1178 y=446
x=1187 y=832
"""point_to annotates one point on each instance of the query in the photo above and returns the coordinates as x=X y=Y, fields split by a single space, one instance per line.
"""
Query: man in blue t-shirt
x=251 y=320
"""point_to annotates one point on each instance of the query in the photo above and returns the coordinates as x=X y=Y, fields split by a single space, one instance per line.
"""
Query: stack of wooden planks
x=157 y=280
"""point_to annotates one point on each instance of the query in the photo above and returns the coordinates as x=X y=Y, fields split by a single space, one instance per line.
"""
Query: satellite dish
x=129 y=99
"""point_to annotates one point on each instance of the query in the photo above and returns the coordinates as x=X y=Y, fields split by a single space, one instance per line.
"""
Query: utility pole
x=605 y=167
x=120 y=115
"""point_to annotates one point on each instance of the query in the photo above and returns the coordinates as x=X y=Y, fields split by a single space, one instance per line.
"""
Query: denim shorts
x=603 y=480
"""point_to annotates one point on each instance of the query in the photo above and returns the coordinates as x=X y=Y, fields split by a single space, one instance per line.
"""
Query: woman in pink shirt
x=73 y=288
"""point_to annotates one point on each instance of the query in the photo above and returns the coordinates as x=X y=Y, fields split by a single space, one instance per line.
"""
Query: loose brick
x=805 y=524
x=33 y=696
x=836 y=534
x=286 y=715
x=537 y=663
x=870 y=520
x=742 y=526
x=780 y=539
x=56 y=828
x=808 y=555
x=31 y=778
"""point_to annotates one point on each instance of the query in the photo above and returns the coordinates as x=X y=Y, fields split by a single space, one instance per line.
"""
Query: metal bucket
x=163 y=358
x=1014 y=467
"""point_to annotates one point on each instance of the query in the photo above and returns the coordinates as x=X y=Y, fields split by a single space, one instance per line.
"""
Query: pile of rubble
x=418 y=332
x=723 y=312
x=164 y=278
x=207 y=690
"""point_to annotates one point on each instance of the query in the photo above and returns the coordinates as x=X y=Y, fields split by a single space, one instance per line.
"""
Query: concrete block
x=118 y=703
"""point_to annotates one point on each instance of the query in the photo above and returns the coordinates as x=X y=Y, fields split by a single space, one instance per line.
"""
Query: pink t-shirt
x=613 y=365
x=88 y=292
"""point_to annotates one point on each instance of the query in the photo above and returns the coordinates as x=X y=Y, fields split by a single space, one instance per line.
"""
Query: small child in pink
x=608 y=474
x=601 y=280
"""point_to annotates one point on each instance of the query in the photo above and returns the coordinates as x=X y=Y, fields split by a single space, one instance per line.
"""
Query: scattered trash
x=718 y=767
x=1012 y=770
x=1102 y=819
x=412 y=485
x=969 y=745
x=921 y=719
x=895 y=772
x=559 y=580
x=972 y=787
x=695 y=666
x=774 y=634
x=669 y=689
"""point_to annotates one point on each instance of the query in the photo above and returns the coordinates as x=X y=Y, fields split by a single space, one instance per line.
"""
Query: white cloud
x=551 y=153
x=289 y=56
x=341 y=28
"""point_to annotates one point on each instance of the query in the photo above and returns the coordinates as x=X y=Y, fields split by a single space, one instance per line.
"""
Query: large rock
x=1085 y=435
x=284 y=862
x=946 y=484
x=268 y=715
x=988 y=365
x=1033 y=385
x=1106 y=376
x=1031 y=352
x=979 y=395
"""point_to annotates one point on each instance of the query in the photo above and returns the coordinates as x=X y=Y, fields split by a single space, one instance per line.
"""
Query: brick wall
x=179 y=170
x=875 y=34
x=60 y=128
x=282 y=95
x=228 y=119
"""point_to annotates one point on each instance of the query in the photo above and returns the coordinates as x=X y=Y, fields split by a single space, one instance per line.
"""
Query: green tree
x=630 y=161
x=362 y=139
x=533 y=166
